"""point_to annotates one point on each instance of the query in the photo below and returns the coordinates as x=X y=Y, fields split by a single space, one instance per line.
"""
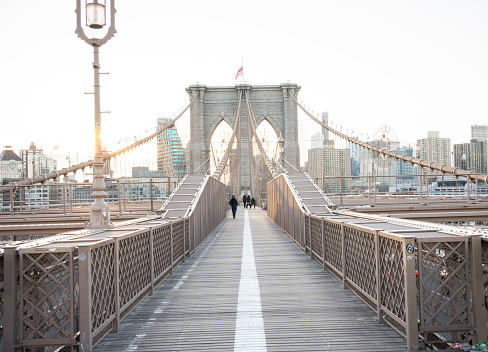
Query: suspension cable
x=151 y=136
x=55 y=174
x=422 y=163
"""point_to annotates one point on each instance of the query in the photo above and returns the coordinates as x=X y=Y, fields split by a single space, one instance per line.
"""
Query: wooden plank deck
x=292 y=301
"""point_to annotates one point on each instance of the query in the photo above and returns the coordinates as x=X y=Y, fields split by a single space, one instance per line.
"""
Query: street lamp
x=281 y=148
x=95 y=18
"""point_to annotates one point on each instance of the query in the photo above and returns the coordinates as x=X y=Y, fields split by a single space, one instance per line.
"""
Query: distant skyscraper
x=471 y=156
x=435 y=149
x=479 y=132
x=325 y=120
x=330 y=162
x=317 y=140
x=171 y=156
x=35 y=162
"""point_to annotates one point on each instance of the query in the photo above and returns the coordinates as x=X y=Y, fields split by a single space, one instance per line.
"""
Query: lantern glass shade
x=95 y=15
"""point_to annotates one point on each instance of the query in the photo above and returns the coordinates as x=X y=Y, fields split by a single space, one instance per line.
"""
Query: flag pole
x=242 y=62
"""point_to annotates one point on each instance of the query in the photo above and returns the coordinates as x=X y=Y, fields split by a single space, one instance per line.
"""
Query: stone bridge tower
x=214 y=104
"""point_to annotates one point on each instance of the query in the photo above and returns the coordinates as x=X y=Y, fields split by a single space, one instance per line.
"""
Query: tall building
x=35 y=162
x=435 y=149
x=471 y=156
x=330 y=162
x=479 y=132
x=171 y=156
x=317 y=140
x=325 y=120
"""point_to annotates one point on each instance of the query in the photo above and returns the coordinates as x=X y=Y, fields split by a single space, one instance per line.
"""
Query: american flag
x=239 y=72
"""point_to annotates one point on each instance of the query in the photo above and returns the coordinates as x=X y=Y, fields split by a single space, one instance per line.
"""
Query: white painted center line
x=250 y=334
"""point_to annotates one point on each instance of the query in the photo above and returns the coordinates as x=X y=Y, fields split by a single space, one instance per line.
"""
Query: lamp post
x=281 y=148
x=95 y=18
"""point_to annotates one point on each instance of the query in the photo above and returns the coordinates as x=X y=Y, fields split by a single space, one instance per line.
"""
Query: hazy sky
x=416 y=65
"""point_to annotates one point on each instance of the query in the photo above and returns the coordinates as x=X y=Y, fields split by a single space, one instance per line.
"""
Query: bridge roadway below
x=249 y=287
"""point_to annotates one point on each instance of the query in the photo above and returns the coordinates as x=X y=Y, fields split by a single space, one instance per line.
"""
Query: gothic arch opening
x=268 y=137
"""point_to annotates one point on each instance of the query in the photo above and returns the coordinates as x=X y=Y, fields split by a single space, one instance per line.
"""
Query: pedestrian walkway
x=248 y=287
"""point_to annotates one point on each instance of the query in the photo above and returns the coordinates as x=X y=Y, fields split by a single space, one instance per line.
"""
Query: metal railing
x=418 y=279
x=75 y=198
x=73 y=291
x=420 y=189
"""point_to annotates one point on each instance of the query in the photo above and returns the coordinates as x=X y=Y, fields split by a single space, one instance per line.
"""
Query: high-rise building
x=171 y=156
x=471 y=156
x=317 y=140
x=435 y=149
x=479 y=132
x=35 y=162
x=330 y=162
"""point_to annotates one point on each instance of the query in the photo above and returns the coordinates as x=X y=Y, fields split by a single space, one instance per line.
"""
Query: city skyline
x=417 y=66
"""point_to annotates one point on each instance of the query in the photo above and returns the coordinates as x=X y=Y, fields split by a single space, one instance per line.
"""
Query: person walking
x=244 y=201
x=233 y=204
x=253 y=203
x=249 y=200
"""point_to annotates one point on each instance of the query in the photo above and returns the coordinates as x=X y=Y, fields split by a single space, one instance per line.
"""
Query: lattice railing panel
x=333 y=244
x=360 y=259
x=134 y=266
x=392 y=276
x=178 y=228
x=162 y=248
x=103 y=284
x=316 y=228
x=444 y=284
x=45 y=295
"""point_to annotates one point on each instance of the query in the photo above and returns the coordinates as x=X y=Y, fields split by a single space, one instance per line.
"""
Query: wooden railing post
x=10 y=297
x=412 y=330
x=477 y=289
x=343 y=257
x=151 y=253
x=84 y=267
x=116 y=322
x=379 y=314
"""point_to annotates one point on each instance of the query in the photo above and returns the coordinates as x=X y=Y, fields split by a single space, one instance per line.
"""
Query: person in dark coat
x=244 y=200
x=253 y=202
x=233 y=204
x=249 y=200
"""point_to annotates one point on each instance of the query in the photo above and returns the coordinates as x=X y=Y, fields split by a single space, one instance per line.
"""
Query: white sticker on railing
x=249 y=334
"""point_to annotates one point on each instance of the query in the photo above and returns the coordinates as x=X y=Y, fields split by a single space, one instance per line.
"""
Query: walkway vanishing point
x=249 y=287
